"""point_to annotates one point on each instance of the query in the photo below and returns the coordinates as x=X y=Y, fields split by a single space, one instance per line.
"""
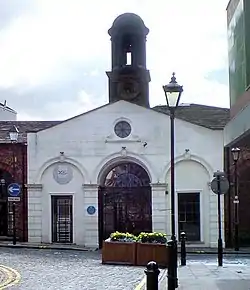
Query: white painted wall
x=7 y=114
x=90 y=145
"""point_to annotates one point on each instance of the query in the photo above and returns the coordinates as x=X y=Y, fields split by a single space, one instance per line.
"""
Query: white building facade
x=6 y=113
x=109 y=169
x=72 y=160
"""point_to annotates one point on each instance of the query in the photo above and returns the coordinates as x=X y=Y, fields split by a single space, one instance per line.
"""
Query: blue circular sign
x=14 y=189
x=91 y=209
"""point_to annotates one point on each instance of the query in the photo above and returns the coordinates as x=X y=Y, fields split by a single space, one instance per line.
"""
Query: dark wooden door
x=189 y=215
x=62 y=223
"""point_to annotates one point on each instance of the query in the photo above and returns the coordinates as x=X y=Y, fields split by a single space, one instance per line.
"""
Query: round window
x=122 y=129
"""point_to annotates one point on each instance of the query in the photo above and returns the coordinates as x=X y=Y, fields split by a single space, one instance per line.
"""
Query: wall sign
x=63 y=173
x=91 y=210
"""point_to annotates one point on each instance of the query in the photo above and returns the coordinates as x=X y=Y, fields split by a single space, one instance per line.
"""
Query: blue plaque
x=91 y=210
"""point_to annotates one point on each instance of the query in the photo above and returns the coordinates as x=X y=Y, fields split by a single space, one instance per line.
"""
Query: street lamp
x=173 y=93
x=236 y=156
x=13 y=134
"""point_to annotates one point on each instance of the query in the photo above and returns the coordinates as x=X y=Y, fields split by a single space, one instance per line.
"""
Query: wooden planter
x=119 y=253
x=152 y=252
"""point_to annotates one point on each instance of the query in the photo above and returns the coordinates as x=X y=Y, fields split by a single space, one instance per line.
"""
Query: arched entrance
x=125 y=201
x=5 y=206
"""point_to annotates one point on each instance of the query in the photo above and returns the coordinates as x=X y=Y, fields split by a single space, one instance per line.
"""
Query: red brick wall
x=6 y=164
x=243 y=166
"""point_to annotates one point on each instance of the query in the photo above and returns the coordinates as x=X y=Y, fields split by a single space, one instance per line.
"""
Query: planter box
x=119 y=253
x=151 y=252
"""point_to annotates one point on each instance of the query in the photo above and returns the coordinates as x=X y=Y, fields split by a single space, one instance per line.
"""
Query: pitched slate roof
x=23 y=127
x=210 y=117
x=214 y=118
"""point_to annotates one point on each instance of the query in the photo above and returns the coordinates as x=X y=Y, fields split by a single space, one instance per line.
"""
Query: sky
x=54 y=53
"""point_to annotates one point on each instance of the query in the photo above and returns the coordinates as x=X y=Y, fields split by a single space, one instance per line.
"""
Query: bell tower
x=129 y=78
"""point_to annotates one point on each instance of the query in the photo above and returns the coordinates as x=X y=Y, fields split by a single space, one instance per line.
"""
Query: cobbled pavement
x=50 y=269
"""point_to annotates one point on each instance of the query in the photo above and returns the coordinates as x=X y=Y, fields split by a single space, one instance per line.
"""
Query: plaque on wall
x=63 y=173
x=91 y=210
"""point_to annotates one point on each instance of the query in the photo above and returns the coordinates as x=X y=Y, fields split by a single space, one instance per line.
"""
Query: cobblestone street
x=50 y=269
x=63 y=269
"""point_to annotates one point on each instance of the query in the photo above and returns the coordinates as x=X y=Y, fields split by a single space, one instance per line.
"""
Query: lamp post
x=13 y=134
x=236 y=156
x=173 y=93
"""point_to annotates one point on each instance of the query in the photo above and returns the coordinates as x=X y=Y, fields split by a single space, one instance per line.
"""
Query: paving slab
x=207 y=276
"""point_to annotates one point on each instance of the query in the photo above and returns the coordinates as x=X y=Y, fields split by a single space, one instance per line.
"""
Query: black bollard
x=152 y=271
x=183 y=249
x=171 y=265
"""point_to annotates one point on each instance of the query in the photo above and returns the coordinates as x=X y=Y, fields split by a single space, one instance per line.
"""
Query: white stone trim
x=35 y=187
x=90 y=187
x=192 y=157
x=91 y=226
x=159 y=186
x=48 y=219
x=159 y=208
x=56 y=160
x=114 y=159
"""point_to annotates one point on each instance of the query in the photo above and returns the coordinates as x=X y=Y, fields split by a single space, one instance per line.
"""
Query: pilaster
x=34 y=213
x=160 y=208
x=91 y=215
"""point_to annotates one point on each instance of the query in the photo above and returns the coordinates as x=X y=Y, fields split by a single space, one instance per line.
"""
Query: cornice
x=159 y=186
x=35 y=186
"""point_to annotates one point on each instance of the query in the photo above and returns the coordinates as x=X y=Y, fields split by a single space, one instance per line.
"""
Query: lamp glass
x=236 y=154
x=13 y=136
x=173 y=99
x=173 y=93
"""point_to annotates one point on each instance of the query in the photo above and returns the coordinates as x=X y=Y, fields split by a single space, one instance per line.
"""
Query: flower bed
x=126 y=249
x=152 y=247
x=120 y=248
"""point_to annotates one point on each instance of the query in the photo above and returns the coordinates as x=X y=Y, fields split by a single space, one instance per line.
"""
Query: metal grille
x=125 y=210
x=122 y=129
x=127 y=175
x=62 y=230
x=125 y=201
x=10 y=219
x=189 y=215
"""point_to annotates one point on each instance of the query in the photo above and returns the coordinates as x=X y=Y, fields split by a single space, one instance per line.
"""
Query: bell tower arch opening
x=129 y=78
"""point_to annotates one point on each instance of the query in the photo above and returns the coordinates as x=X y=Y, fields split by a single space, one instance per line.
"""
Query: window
x=129 y=58
x=122 y=129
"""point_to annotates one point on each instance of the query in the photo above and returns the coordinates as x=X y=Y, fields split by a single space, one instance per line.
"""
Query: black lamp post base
x=220 y=252
x=175 y=260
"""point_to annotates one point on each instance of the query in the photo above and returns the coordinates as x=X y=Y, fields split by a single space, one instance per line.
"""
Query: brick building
x=13 y=169
x=237 y=130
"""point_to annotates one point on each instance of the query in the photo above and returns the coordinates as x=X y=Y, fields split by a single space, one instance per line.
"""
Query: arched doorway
x=125 y=201
x=5 y=206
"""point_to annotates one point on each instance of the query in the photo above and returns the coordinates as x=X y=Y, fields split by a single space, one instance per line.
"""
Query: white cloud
x=83 y=103
x=188 y=37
